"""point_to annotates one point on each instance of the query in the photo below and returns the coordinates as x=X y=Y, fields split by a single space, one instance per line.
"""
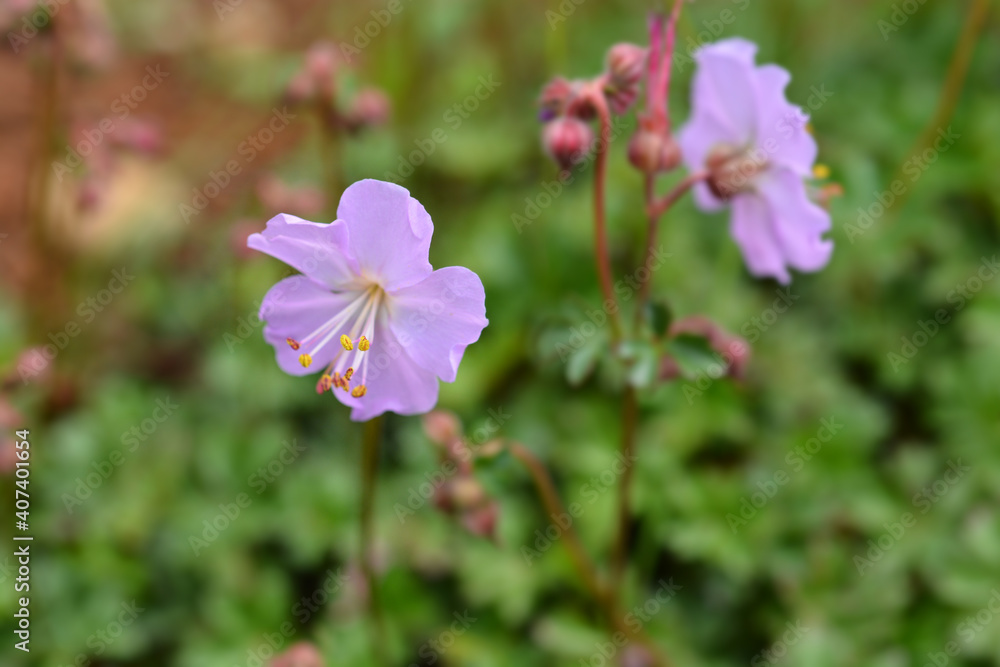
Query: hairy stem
x=604 y=596
x=600 y=223
x=369 y=469
x=656 y=208
x=651 y=235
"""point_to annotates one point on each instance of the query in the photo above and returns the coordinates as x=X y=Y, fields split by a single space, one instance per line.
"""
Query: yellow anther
x=305 y=360
x=292 y=343
x=348 y=373
x=359 y=391
x=364 y=344
x=821 y=171
x=346 y=342
x=324 y=384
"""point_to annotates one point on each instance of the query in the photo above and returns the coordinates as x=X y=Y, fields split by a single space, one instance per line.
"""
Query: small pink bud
x=369 y=107
x=651 y=151
x=626 y=65
x=442 y=426
x=140 y=136
x=322 y=61
x=482 y=521
x=554 y=99
x=567 y=140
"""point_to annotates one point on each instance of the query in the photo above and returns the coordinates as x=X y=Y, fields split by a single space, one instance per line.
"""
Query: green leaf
x=693 y=354
x=659 y=316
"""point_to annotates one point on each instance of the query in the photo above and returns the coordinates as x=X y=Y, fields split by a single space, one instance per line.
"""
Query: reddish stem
x=596 y=97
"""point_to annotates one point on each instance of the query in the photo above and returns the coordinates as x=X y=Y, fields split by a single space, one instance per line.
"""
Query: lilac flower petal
x=782 y=132
x=799 y=223
x=318 y=250
x=389 y=232
x=438 y=317
x=394 y=381
x=294 y=308
x=724 y=88
x=753 y=230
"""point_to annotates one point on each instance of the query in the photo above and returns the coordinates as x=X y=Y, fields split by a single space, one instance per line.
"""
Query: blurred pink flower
x=758 y=160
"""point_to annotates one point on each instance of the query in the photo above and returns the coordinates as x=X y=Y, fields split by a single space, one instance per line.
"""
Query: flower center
x=356 y=326
x=734 y=170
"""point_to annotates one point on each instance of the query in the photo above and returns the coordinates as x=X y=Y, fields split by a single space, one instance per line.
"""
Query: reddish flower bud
x=442 y=426
x=555 y=98
x=139 y=135
x=482 y=521
x=626 y=65
x=369 y=107
x=650 y=151
x=567 y=140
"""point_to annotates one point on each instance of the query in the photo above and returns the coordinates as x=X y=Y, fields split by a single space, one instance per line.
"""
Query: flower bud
x=567 y=140
x=625 y=67
x=554 y=99
x=442 y=426
x=626 y=64
x=482 y=521
x=369 y=107
x=651 y=151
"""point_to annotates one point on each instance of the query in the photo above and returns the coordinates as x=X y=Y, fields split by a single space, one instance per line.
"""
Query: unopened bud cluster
x=321 y=82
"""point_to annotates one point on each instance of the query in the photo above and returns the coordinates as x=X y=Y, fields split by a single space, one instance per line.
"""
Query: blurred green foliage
x=705 y=449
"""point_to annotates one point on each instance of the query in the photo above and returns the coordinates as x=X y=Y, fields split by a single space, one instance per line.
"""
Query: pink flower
x=369 y=306
x=755 y=145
